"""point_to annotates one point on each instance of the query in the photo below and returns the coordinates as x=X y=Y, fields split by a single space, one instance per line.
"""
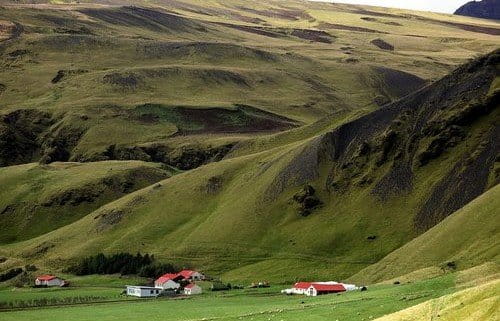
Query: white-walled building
x=192 y=289
x=48 y=280
x=143 y=291
x=168 y=281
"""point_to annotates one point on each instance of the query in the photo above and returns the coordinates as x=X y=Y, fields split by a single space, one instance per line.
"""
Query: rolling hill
x=309 y=140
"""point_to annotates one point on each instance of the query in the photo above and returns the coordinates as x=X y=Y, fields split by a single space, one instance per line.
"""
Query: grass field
x=259 y=304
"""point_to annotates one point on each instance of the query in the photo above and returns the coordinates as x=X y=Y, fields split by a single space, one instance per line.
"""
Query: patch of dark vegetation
x=379 y=14
x=285 y=14
x=108 y=218
x=240 y=119
x=61 y=74
x=327 y=25
x=124 y=263
x=214 y=185
x=184 y=157
x=123 y=80
x=312 y=35
x=382 y=44
x=10 y=274
x=371 y=238
x=205 y=50
x=3 y=88
x=152 y=19
x=394 y=84
x=58 y=143
x=18 y=53
x=307 y=200
x=19 y=135
x=263 y=31
x=386 y=22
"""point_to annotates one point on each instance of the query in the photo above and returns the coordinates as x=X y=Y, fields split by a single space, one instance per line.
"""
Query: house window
x=151 y=292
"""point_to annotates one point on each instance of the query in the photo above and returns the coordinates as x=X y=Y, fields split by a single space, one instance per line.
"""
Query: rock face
x=487 y=9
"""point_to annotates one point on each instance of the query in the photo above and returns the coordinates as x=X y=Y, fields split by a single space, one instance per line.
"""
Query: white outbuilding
x=192 y=289
x=143 y=291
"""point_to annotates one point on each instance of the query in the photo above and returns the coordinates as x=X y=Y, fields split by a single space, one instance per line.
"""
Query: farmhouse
x=49 y=280
x=168 y=281
x=191 y=275
x=143 y=291
x=322 y=288
x=191 y=289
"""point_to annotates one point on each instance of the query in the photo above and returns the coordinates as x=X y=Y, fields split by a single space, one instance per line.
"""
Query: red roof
x=328 y=287
x=46 y=277
x=165 y=277
x=186 y=273
x=302 y=285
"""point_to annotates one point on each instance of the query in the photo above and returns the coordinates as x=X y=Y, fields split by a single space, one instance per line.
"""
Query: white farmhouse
x=143 y=291
x=191 y=289
x=168 y=281
x=48 y=280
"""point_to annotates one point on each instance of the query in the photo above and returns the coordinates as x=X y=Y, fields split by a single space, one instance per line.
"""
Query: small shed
x=49 y=280
x=143 y=291
x=192 y=289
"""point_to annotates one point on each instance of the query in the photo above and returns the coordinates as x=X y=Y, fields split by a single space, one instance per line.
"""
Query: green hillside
x=36 y=199
x=377 y=182
x=466 y=238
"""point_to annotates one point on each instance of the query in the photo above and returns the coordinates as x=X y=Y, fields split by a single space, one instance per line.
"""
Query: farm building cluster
x=170 y=283
x=319 y=288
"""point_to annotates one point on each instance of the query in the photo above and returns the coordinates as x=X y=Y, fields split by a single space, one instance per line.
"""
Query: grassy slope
x=36 y=199
x=477 y=303
x=467 y=237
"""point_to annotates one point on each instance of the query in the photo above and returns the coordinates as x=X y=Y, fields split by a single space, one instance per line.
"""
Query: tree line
x=123 y=263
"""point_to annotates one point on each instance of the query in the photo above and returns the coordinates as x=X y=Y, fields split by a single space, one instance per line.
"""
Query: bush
x=12 y=273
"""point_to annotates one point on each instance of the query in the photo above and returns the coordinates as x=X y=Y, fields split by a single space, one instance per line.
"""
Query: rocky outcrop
x=486 y=9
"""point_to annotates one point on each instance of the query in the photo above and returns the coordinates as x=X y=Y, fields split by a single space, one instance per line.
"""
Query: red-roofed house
x=191 y=275
x=168 y=281
x=48 y=280
x=324 y=288
x=191 y=289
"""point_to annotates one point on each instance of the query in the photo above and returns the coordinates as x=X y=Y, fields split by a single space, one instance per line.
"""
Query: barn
x=316 y=289
x=300 y=287
x=143 y=291
x=191 y=289
x=48 y=280
x=168 y=281
x=191 y=275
